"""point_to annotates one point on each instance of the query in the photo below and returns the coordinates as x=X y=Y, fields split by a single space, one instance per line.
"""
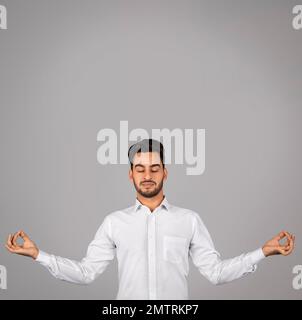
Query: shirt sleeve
x=208 y=260
x=99 y=254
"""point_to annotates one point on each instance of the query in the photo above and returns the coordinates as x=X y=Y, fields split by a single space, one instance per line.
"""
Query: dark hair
x=146 y=145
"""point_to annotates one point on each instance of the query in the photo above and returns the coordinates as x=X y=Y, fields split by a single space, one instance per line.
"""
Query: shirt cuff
x=256 y=256
x=43 y=258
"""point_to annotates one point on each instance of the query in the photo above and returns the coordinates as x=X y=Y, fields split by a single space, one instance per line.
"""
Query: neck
x=153 y=202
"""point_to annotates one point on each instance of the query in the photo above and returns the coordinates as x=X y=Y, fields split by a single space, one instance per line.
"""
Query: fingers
x=9 y=246
x=291 y=245
x=288 y=247
x=281 y=235
x=8 y=241
x=286 y=250
x=284 y=234
x=23 y=235
x=15 y=237
x=281 y=250
x=288 y=239
x=14 y=249
x=10 y=249
x=11 y=243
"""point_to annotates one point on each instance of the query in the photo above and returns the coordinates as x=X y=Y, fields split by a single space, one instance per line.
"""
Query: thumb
x=281 y=249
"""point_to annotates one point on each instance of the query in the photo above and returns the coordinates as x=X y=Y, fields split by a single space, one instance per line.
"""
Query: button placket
x=152 y=255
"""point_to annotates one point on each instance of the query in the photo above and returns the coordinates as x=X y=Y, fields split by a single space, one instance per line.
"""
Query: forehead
x=146 y=158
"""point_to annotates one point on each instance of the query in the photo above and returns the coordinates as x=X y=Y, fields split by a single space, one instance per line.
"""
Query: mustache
x=147 y=181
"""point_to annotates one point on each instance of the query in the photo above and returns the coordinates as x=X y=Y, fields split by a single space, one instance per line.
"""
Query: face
x=148 y=174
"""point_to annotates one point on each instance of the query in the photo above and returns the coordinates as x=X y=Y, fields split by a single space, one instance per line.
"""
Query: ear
x=130 y=175
x=165 y=173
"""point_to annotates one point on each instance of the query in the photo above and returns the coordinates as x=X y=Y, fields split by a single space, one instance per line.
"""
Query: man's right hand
x=27 y=248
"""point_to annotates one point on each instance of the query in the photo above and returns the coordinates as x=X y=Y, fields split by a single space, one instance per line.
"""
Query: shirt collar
x=165 y=204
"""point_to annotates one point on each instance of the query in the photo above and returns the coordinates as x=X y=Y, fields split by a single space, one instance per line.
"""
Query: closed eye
x=155 y=167
x=139 y=168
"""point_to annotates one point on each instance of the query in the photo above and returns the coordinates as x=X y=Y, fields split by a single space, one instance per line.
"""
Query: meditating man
x=153 y=241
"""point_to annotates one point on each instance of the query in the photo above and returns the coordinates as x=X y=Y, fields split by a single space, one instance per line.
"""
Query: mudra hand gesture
x=274 y=247
x=27 y=248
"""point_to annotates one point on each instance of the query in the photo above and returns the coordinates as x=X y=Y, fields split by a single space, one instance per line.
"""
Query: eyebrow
x=152 y=165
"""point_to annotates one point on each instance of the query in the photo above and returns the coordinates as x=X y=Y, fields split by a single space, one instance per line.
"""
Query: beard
x=149 y=193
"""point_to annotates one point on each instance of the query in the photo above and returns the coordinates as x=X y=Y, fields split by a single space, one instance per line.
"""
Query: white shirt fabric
x=153 y=250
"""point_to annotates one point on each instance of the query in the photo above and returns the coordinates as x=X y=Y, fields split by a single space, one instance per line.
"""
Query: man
x=153 y=241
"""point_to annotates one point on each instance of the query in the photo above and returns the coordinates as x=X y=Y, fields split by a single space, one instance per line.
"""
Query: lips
x=147 y=183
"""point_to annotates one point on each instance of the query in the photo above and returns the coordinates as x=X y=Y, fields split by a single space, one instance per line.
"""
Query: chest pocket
x=174 y=249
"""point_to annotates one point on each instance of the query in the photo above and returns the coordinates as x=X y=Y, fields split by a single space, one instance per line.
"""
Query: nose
x=147 y=176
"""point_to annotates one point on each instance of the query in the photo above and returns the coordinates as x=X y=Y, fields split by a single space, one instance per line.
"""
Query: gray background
x=71 y=68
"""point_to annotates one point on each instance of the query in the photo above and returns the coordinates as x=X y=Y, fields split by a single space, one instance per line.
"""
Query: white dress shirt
x=153 y=250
